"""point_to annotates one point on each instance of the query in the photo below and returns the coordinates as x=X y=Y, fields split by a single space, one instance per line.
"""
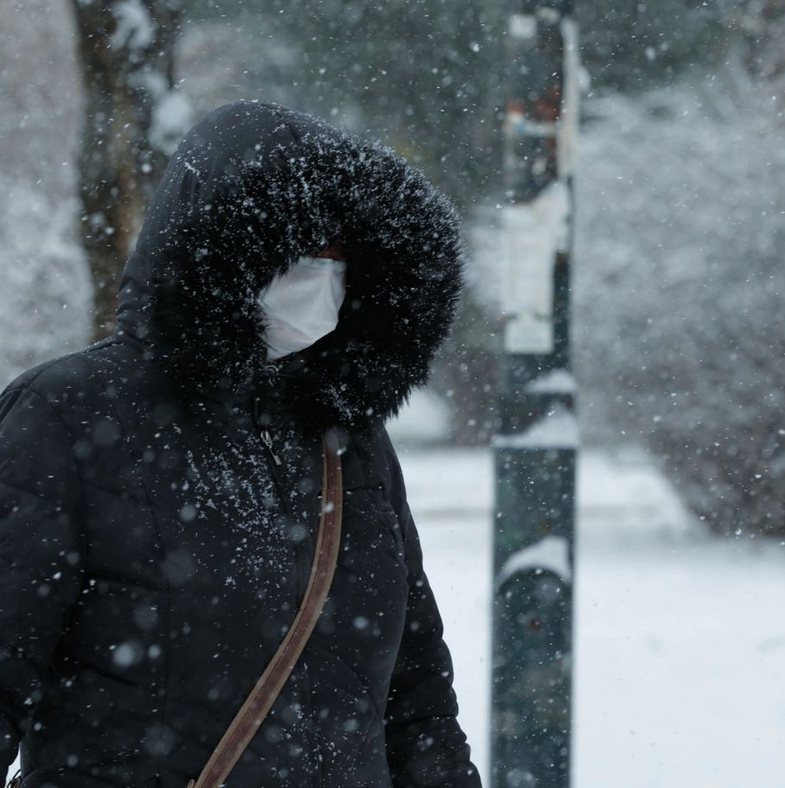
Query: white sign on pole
x=533 y=234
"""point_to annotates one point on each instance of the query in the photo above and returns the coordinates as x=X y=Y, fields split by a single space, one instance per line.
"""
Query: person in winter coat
x=160 y=489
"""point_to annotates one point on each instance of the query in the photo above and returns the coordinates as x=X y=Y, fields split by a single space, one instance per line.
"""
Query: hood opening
x=250 y=189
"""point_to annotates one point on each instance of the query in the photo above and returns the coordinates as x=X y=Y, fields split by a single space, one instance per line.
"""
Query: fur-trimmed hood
x=251 y=188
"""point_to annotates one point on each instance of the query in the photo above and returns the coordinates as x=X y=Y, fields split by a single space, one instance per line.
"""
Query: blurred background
x=677 y=329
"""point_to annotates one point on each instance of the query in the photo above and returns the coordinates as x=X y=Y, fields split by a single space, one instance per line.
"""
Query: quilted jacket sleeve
x=426 y=746
x=41 y=556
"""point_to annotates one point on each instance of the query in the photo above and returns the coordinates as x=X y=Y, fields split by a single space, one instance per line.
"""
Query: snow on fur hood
x=251 y=188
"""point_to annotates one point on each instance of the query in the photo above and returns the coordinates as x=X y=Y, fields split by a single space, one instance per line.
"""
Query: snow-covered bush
x=678 y=289
x=44 y=285
x=46 y=290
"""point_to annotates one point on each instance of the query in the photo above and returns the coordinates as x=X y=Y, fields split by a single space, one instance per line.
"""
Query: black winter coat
x=154 y=548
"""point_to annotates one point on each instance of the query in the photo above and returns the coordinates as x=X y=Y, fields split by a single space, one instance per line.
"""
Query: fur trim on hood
x=251 y=188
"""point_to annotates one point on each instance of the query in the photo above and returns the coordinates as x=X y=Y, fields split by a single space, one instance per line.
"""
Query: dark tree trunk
x=132 y=118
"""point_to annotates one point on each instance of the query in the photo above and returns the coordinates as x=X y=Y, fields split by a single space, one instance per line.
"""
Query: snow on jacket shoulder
x=160 y=489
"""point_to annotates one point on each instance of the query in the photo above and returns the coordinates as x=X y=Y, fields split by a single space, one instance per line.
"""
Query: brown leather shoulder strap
x=270 y=683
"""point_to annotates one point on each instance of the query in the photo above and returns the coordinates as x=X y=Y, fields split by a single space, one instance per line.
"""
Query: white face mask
x=302 y=304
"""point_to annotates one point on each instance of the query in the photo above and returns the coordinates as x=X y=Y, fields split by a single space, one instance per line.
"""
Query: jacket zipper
x=268 y=442
x=301 y=667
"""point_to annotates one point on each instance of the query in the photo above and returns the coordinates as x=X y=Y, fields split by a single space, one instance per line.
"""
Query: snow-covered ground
x=680 y=638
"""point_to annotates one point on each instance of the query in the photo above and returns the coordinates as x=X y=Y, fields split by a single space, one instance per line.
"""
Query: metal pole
x=535 y=449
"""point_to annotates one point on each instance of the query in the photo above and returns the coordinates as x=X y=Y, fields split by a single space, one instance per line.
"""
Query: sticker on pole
x=534 y=232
